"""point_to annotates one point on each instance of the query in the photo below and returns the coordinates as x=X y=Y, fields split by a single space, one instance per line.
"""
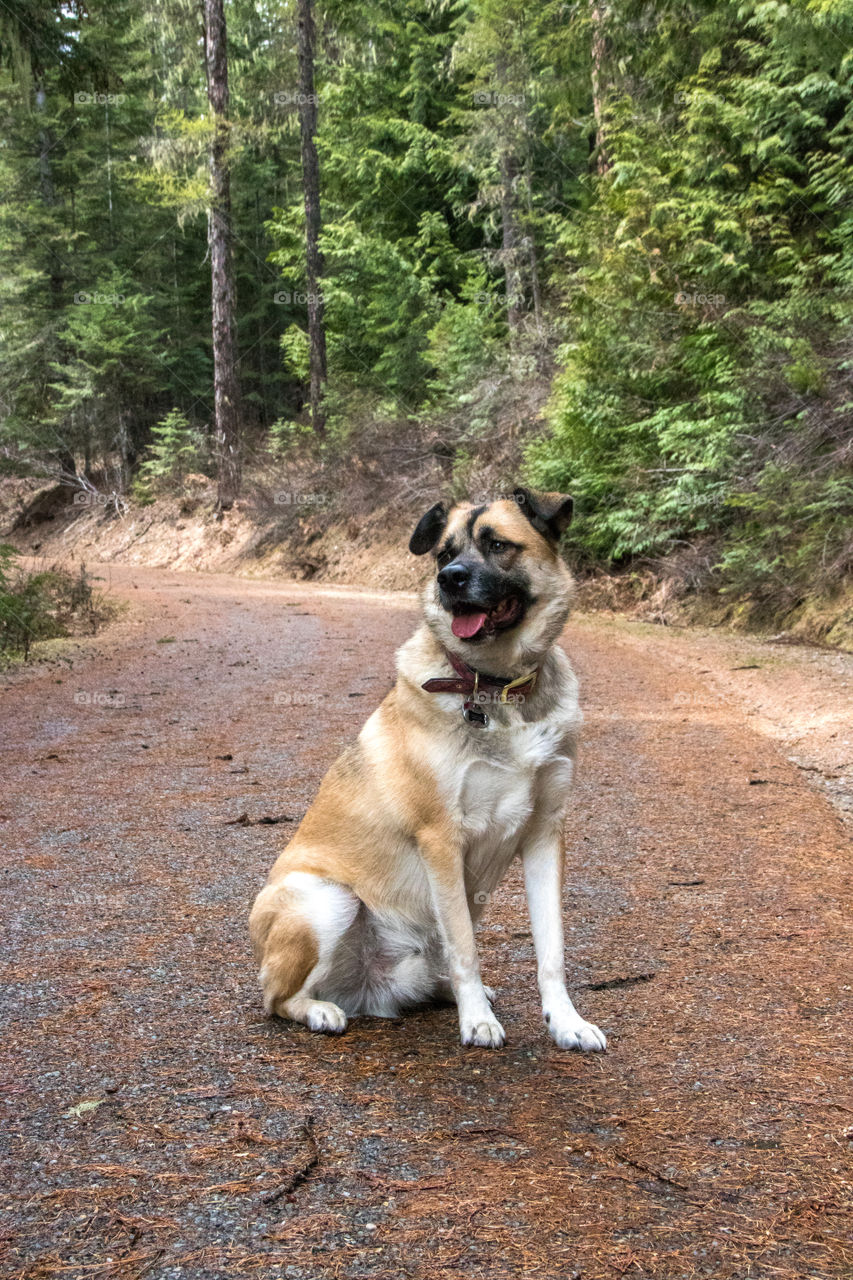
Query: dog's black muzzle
x=469 y=584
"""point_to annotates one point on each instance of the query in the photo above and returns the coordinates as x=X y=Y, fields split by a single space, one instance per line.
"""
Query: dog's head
x=501 y=593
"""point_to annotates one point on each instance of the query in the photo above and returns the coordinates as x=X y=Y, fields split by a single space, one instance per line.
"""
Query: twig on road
x=300 y=1174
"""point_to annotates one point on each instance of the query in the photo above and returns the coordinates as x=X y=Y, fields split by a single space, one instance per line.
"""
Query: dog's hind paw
x=575 y=1033
x=487 y=1033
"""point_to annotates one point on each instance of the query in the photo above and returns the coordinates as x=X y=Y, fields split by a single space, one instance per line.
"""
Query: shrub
x=176 y=449
x=44 y=604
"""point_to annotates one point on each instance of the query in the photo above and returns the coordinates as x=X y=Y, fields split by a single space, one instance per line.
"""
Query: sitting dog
x=467 y=763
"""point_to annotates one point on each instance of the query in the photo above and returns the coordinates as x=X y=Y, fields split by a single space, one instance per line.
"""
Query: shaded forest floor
x=157 y=1125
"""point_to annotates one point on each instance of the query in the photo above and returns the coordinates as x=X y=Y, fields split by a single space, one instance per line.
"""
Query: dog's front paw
x=322 y=1015
x=486 y=1032
x=575 y=1033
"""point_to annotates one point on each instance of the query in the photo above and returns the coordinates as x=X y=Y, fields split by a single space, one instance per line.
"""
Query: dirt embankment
x=350 y=529
x=286 y=532
x=324 y=512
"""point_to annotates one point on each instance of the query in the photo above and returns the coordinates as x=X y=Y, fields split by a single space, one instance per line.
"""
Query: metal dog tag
x=474 y=715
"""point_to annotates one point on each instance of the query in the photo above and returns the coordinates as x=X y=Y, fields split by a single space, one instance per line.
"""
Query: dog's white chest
x=494 y=799
x=494 y=784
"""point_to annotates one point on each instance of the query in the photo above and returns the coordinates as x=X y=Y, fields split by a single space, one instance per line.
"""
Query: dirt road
x=157 y=1125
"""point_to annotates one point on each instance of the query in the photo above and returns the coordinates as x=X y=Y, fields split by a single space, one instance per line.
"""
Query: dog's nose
x=454 y=577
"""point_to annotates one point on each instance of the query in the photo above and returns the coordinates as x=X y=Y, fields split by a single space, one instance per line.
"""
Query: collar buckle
x=528 y=679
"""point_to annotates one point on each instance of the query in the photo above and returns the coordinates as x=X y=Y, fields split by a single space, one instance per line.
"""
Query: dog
x=467 y=763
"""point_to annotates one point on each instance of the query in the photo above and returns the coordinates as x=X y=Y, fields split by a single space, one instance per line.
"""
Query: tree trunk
x=126 y=451
x=262 y=368
x=597 y=14
x=226 y=381
x=531 y=248
x=64 y=454
x=311 y=187
x=510 y=242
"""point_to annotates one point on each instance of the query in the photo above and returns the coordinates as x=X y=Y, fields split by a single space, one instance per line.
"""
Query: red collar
x=474 y=682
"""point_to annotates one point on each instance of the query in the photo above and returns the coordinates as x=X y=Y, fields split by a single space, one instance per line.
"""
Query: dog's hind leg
x=296 y=926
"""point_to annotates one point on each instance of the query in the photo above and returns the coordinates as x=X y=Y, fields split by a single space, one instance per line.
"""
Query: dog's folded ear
x=428 y=530
x=549 y=513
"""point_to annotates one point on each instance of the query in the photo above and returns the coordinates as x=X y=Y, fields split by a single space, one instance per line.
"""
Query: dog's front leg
x=445 y=870
x=543 y=881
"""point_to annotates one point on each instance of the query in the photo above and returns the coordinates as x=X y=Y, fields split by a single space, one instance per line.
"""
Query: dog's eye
x=444 y=558
x=497 y=546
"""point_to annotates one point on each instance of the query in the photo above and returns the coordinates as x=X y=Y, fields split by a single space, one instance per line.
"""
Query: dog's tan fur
x=372 y=905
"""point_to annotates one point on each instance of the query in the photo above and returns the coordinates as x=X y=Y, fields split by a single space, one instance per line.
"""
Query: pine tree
x=311 y=188
x=173 y=451
x=226 y=382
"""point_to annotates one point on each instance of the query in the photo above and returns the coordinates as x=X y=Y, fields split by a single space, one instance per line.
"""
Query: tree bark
x=531 y=248
x=63 y=455
x=510 y=242
x=226 y=380
x=598 y=49
x=311 y=188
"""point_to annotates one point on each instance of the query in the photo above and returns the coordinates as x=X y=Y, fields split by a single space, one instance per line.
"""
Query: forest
x=241 y=230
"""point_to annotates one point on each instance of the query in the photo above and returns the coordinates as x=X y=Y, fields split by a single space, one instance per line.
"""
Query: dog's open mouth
x=471 y=623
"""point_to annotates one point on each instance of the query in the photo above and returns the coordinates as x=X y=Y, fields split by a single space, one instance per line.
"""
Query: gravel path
x=156 y=1125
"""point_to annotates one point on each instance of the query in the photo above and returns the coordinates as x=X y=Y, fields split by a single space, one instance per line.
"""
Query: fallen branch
x=610 y=983
x=245 y=821
x=646 y=1168
x=301 y=1174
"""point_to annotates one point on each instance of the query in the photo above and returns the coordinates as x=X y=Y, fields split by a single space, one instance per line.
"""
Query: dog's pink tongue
x=467 y=624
